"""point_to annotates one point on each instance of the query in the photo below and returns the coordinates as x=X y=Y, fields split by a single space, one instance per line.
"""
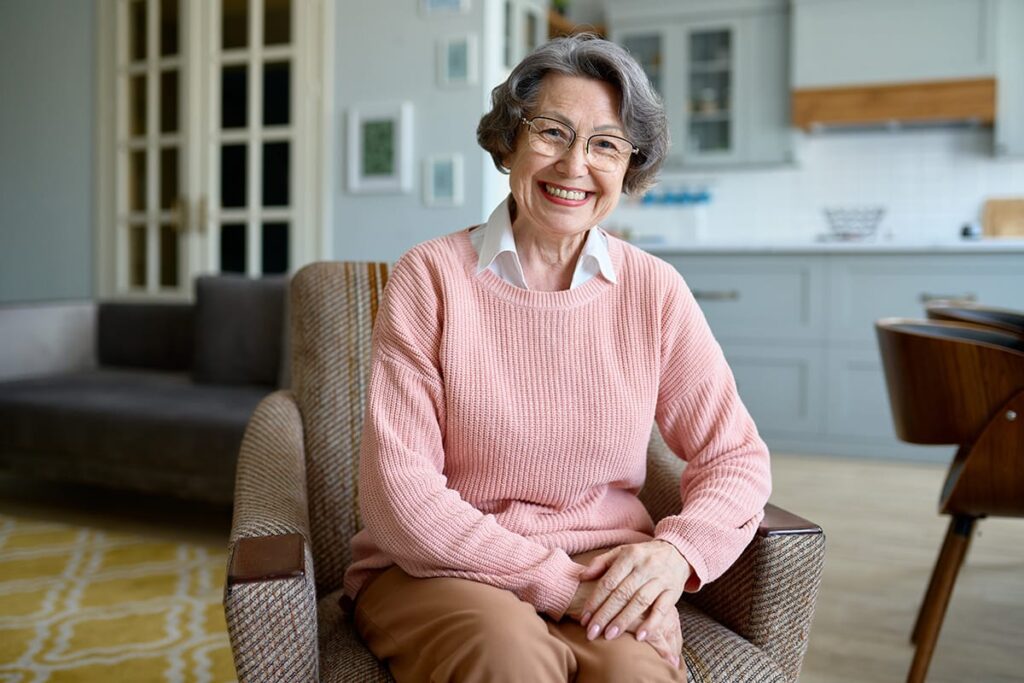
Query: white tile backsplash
x=931 y=181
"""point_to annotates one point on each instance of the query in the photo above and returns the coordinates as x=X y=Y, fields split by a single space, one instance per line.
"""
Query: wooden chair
x=955 y=383
x=1003 y=319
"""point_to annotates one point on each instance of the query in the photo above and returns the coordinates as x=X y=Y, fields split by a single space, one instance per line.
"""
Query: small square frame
x=457 y=58
x=443 y=180
x=380 y=147
x=430 y=8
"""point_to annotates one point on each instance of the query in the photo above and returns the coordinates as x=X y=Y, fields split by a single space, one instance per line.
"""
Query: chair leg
x=929 y=595
x=934 y=609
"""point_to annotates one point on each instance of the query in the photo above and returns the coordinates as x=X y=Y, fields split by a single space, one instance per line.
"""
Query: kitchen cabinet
x=1009 y=129
x=859 y=42
x=721 y=69
x=797 y=328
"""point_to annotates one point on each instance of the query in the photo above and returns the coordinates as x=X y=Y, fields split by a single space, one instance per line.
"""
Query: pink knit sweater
x=506 y=429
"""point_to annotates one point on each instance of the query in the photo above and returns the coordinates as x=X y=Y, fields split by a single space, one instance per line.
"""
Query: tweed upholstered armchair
x=296 y=509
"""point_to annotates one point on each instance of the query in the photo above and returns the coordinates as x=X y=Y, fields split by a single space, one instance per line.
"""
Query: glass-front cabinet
x=205 y=140
x=724 y=80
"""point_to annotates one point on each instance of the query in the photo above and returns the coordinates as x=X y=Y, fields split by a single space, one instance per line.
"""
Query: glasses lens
x=608 y=151
x=549 y=137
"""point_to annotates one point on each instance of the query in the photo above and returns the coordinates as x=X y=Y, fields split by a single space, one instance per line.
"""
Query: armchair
x=296 y=509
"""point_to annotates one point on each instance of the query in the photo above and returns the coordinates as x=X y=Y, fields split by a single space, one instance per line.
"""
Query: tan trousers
x=446 y=629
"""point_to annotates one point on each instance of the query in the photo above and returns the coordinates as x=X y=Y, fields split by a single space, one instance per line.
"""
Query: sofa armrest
x=270 y=598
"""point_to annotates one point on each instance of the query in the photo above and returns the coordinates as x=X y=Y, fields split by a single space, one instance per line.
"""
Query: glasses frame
x=634 y=150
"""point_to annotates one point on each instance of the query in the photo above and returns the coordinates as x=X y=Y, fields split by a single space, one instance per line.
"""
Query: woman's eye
x=553 y=133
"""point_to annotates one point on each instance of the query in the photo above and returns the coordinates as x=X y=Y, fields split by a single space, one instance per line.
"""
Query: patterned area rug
x=83 y=605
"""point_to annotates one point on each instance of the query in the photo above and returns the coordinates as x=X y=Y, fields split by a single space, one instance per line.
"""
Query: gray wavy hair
x=640 y=108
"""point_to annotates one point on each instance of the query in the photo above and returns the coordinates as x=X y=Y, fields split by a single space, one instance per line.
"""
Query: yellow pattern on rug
x=81 y=605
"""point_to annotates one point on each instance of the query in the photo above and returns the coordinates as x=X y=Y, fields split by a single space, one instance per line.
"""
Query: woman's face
x=589 y=106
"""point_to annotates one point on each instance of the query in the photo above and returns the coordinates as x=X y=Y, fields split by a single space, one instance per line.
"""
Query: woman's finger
x=616 y=598
x=599 y=565
x=662 y=607
x=634 y=610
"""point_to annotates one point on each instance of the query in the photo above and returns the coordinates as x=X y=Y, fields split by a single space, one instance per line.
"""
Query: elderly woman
x=518 y=367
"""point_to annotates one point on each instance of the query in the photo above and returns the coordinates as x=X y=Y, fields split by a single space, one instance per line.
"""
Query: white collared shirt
x=495 y=245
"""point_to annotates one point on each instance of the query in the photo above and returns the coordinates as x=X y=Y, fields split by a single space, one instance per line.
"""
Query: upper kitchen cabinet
x=722 y=70
x=864 y=62
x=856 y=42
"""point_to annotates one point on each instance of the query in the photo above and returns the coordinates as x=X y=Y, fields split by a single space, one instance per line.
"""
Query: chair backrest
x=332 y=308
x=1003 y=319
x=945 y=379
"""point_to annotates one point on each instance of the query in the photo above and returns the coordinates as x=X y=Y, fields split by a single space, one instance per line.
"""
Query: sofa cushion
x=145 y=335
x=134 y=424
x=239 y=329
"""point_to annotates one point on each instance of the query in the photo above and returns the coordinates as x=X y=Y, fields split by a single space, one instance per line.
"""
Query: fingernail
x=641 y=636
x=586 y=618
x=594 y=630
x=611 y=633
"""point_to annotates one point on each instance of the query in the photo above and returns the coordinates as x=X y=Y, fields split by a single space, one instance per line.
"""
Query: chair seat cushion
x=142 y=428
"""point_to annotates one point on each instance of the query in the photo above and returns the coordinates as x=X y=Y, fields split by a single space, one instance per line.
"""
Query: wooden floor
x=883 y=534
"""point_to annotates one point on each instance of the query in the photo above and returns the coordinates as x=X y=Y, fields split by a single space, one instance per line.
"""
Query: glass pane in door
x=276 y=93
x=137 y=256
x=168 y=28
x=169 y=255
x=234 y=24
x=709 y=104
x=234 y=97
x=277 y=22
x=646 y=49
x=275 y=248
x=275 y=174
x=137 y=30
x=232 y=248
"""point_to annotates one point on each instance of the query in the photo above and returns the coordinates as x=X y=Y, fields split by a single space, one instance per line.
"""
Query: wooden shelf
x=559 y=25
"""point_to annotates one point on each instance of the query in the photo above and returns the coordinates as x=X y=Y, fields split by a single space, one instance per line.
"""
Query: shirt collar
x=495 y=237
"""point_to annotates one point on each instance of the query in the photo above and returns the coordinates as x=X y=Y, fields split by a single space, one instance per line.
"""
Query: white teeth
x=574 y=195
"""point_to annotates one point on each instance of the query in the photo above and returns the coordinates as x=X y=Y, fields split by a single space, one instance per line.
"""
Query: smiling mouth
x=562 y=193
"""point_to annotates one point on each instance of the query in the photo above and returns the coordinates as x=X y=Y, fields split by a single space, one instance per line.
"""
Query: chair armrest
x=270 y=598
x=768 y=595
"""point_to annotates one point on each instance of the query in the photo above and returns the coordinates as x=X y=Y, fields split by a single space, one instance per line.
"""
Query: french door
x=212 y=126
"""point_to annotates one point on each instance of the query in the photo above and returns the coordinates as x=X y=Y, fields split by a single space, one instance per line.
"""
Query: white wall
x=386 y=51
x=931 y=182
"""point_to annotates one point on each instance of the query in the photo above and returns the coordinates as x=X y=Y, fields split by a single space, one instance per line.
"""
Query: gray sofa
x=166 y=406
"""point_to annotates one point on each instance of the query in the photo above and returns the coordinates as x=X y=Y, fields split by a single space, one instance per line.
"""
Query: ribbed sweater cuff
x=690 y=553
x=564 y=575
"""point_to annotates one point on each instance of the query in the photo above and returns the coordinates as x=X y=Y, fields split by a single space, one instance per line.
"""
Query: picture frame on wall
x=457 y=61
x=443 y=180
x=442 y=7
x=380 y=147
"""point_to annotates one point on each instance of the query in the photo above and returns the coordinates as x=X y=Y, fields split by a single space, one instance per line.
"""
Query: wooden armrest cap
x=779 y=522
x=267 y=558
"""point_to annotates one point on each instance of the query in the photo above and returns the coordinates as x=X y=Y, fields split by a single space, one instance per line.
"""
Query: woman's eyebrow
x=565 y=119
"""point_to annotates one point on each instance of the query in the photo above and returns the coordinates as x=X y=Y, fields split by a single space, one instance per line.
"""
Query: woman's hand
x=635 y=580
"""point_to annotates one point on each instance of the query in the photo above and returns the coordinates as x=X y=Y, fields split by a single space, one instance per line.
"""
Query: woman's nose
x=573 y=161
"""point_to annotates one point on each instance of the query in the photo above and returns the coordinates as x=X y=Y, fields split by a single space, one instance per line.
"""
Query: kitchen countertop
x=964 y=247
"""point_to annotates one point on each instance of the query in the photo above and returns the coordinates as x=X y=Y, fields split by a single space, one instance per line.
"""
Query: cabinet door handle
x=716 y=294
x=927 y=297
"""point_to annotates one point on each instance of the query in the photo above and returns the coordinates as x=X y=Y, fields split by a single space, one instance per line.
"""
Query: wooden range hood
x=956 y=100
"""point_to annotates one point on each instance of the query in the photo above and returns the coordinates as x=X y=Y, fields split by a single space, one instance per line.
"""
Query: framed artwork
x=435 y=7
x=380 y=147
x=457 y=61
x=442 y=180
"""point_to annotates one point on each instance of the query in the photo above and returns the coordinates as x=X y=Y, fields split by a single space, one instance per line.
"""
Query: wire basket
x=855 y=222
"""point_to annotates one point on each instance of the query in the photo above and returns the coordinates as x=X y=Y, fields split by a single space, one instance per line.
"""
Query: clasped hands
x=634 y=589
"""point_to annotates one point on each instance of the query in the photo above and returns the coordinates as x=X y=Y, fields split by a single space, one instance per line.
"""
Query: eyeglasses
x=604 y=152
